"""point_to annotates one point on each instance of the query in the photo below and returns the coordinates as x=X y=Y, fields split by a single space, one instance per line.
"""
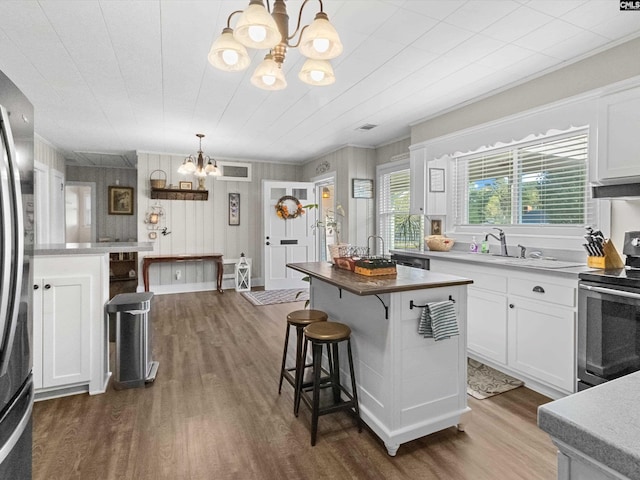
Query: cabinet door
x=65 y=330
x=487 y=324
x=541 y=342
x=618 y=139
x=37 y=332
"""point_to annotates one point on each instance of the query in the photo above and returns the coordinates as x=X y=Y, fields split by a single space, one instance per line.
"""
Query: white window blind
x=396 y=226
x=543 y=183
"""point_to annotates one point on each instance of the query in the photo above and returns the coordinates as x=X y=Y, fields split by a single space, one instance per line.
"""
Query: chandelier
x=258 y=28
x=197 y=166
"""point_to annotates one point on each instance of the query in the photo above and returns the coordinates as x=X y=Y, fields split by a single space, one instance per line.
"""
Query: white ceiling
x=114 y=76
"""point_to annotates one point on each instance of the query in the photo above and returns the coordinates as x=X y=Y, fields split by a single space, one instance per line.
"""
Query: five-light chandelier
x=258 y=28
x=197 y=167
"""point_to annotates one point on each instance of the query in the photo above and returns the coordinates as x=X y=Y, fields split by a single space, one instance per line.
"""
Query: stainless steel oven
x=608 y=327
x=609 y=319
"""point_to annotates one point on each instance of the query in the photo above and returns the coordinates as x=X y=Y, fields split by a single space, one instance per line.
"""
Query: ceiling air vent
x=366 y=126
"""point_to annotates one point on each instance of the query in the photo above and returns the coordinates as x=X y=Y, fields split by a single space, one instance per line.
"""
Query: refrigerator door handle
x=6 y=449
x=13 y=245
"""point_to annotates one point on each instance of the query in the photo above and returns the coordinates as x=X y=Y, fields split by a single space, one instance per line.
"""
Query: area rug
x=484 y=382
x=270 y=297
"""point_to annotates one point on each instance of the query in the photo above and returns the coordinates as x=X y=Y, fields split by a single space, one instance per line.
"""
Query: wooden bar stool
x=298 y=319
x=330 y=334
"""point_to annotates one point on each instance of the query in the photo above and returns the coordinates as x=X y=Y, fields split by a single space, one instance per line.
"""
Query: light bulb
x=257 y=33
x=316 y=75
x=230 y=57
x=321 y=45
x=269 y=79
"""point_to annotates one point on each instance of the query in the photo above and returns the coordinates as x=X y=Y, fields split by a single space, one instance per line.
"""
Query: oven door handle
x=610 y=291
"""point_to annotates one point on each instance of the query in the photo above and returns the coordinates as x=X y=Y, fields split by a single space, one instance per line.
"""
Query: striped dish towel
x=438 y=320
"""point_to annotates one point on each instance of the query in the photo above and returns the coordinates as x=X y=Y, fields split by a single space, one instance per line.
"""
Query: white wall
x=202 y=226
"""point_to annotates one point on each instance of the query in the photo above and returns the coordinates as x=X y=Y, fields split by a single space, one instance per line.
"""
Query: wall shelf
x=176 y=194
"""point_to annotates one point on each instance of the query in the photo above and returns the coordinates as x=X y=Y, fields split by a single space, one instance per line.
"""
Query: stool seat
x=305 y=317
x=328 y=331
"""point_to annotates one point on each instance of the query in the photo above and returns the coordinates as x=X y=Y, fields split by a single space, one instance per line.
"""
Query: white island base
x=408 y=386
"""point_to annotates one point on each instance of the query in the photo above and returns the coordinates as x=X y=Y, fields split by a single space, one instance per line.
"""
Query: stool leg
x=354 y=389
x=298 y=388
x=335 y=375
x=300 y=360
x=317 y=366
x=284 y=358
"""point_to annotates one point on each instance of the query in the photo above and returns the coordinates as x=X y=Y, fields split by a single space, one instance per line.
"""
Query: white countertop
x=569 y=268
x=91 y=248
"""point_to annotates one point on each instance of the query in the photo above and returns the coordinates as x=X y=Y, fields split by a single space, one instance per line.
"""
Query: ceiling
x=111 y=77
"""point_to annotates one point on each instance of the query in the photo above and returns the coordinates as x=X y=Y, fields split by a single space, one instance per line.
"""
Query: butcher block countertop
x=407 y=278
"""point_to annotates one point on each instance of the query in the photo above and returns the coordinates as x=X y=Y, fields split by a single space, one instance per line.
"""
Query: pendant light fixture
x=258 y=28
x=197 y=167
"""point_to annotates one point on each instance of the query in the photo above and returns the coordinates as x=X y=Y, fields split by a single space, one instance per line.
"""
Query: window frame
x=534 y=229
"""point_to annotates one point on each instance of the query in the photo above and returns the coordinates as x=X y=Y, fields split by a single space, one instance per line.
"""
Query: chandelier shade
x=267 y=28
x=317 y=72
x=256 y=28
x=320 y=40
x=269 y=75
x=228 y=54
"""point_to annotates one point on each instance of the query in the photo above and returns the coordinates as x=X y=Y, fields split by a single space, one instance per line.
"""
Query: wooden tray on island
x=373 y=267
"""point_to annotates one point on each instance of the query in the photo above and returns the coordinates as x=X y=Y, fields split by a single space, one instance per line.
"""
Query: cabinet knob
x=268 y=243
x=47 y=286
x=35 y=287
x=538 y=289
x=511 y=305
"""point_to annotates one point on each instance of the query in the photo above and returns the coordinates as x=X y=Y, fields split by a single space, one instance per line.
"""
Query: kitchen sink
x=497 y=259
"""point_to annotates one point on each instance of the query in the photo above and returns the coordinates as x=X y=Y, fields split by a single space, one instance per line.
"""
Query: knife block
x=610 y=261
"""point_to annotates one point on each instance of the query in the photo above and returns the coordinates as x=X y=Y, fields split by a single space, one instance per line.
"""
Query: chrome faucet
x=374 y=244
x=501 y=238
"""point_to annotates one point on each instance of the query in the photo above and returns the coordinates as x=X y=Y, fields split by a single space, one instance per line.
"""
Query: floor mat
x=484 y=382
x=270 y=297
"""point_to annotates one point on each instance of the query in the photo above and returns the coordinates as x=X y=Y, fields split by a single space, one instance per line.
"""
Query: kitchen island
x=408 y=386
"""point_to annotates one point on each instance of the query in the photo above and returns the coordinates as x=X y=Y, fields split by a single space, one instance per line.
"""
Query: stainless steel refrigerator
x=16 y=249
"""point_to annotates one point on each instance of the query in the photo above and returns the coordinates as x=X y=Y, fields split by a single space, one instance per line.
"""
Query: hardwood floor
x=214 y=413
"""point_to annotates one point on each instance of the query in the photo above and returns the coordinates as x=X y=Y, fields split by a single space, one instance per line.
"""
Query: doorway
x=329 y=219
x=80 y=212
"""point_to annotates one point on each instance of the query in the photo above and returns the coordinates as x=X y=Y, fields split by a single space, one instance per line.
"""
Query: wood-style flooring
x=214 y=413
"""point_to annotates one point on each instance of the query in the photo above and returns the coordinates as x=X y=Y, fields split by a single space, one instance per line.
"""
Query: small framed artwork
x=436 y=227
x=120 y=200
x=436 y=179
x=361 y=188
x=234 y=209
x=186 y=185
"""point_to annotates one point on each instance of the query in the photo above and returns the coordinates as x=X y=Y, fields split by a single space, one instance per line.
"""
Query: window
x=544 y=182
x=398 y=228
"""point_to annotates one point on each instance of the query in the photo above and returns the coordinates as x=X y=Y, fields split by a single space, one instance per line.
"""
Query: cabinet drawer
x=542 y=290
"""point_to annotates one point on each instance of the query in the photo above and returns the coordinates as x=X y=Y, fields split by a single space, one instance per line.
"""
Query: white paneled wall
x=199 y=227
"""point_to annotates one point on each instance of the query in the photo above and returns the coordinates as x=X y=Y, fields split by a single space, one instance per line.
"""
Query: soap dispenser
x=473 y=248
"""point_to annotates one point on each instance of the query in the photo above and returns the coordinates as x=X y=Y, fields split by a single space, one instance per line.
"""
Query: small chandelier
x=197 y=166
x=257 y=28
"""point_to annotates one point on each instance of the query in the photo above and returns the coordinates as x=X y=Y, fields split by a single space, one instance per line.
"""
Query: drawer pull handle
x=538 y=289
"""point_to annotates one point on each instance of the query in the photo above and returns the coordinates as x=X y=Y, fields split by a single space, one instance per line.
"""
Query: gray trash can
x=134 y=367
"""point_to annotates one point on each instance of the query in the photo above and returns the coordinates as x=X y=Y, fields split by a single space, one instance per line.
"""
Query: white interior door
x=287 y=241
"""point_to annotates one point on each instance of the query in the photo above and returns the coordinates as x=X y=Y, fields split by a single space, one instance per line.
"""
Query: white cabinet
x=618 y=139
x=70 y=353
x=538 y=336
x=61 y=331
x=521 y=322
x=418 y=168
x=487 y=329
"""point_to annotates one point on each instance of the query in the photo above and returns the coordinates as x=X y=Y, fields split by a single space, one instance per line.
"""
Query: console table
x=215 y=257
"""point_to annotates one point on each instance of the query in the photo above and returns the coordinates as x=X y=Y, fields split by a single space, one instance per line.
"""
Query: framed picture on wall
x=120 y=200
x=361 y=188
x=234 y=209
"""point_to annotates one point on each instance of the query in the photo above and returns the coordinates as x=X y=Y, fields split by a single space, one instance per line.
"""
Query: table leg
x=220 y=267
x=145 y=274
